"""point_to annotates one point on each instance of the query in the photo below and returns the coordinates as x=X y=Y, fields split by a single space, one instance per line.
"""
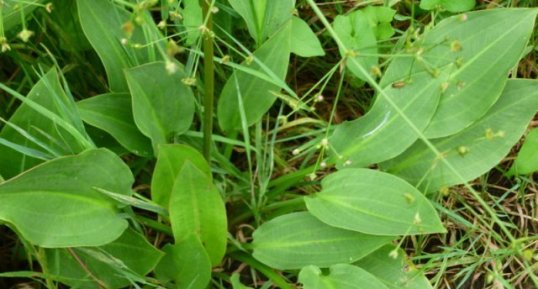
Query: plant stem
x=42 y=258
x=209 y=79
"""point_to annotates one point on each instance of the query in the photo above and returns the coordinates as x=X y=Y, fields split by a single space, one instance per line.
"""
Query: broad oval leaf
x=264 y=17
x=475 y=150
x=296 y=240
x=43 y=133
x=373 y=202
x=170 y=160
x=340 y=276
x=56 y=204
x=304 y=42
x=162 y=104
x=112 y=113
x=186 y=263
x=102 y=22
x=477 y=49
x=383 y=133
x=527 y=158
x=450 y=5
x=395 y=271
x=113 y=264
x=257 y=95
x=196 y=208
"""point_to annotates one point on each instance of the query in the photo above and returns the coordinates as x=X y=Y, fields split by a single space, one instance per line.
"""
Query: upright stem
x=209 y=80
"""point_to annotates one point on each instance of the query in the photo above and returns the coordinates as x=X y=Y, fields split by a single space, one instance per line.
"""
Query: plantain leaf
x=304 y=42
x=527 y=158
x=114 y=264
x=340 y=276
x=264 y=17
x=382 y=133
x=112 y=113
x=395 y=271
x=477 y=50
x=475 y=150
x=163 y=106
x=170 y=160
x=55 y=204
x=102 y=23
x=373 y=202
x=196 y=208
x=186 y=263
x=296 y=240
x=257 y=95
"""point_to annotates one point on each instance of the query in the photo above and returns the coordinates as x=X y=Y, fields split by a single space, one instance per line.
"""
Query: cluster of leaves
x=74 y=164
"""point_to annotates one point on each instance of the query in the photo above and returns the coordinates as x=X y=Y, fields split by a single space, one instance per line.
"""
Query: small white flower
x=296 y=152
x=124 y=41
x=323 y=164
x=25 y=35
x=347 y=163
x=324 y=142
x=171 y=67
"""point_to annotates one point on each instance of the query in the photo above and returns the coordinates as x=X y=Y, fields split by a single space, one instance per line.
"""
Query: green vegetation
x=268 y=144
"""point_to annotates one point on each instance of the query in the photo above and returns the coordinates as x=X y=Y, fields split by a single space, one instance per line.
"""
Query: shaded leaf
x=296 y=240
x=127 y=257
x=163 y=106
x=112 y=113
x=102 y=23
x=49 y=136
x=256 y=94
x=450 y=5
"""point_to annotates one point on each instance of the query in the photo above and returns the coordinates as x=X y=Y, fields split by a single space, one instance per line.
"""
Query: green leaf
x=102 y=23
x=373 y=202
x=476 y=50
x=527 y=158
x=257 y=95
x=196 y=207
x=395 y=271
x=55 y=204
x=114 y=264
x=170 y=160
x=163 y=106
x=382 y=133
x=49 y=136
x=380 y=19
x=193 y=18
x=11 y=11
x=356 y=33
x=186 y=263
x=296 y=240
x=449 y=5
x=470 y=80
x=340 y=276
x=264 y=17
x=475 y=150
x=112 y=113
x=304 y=41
